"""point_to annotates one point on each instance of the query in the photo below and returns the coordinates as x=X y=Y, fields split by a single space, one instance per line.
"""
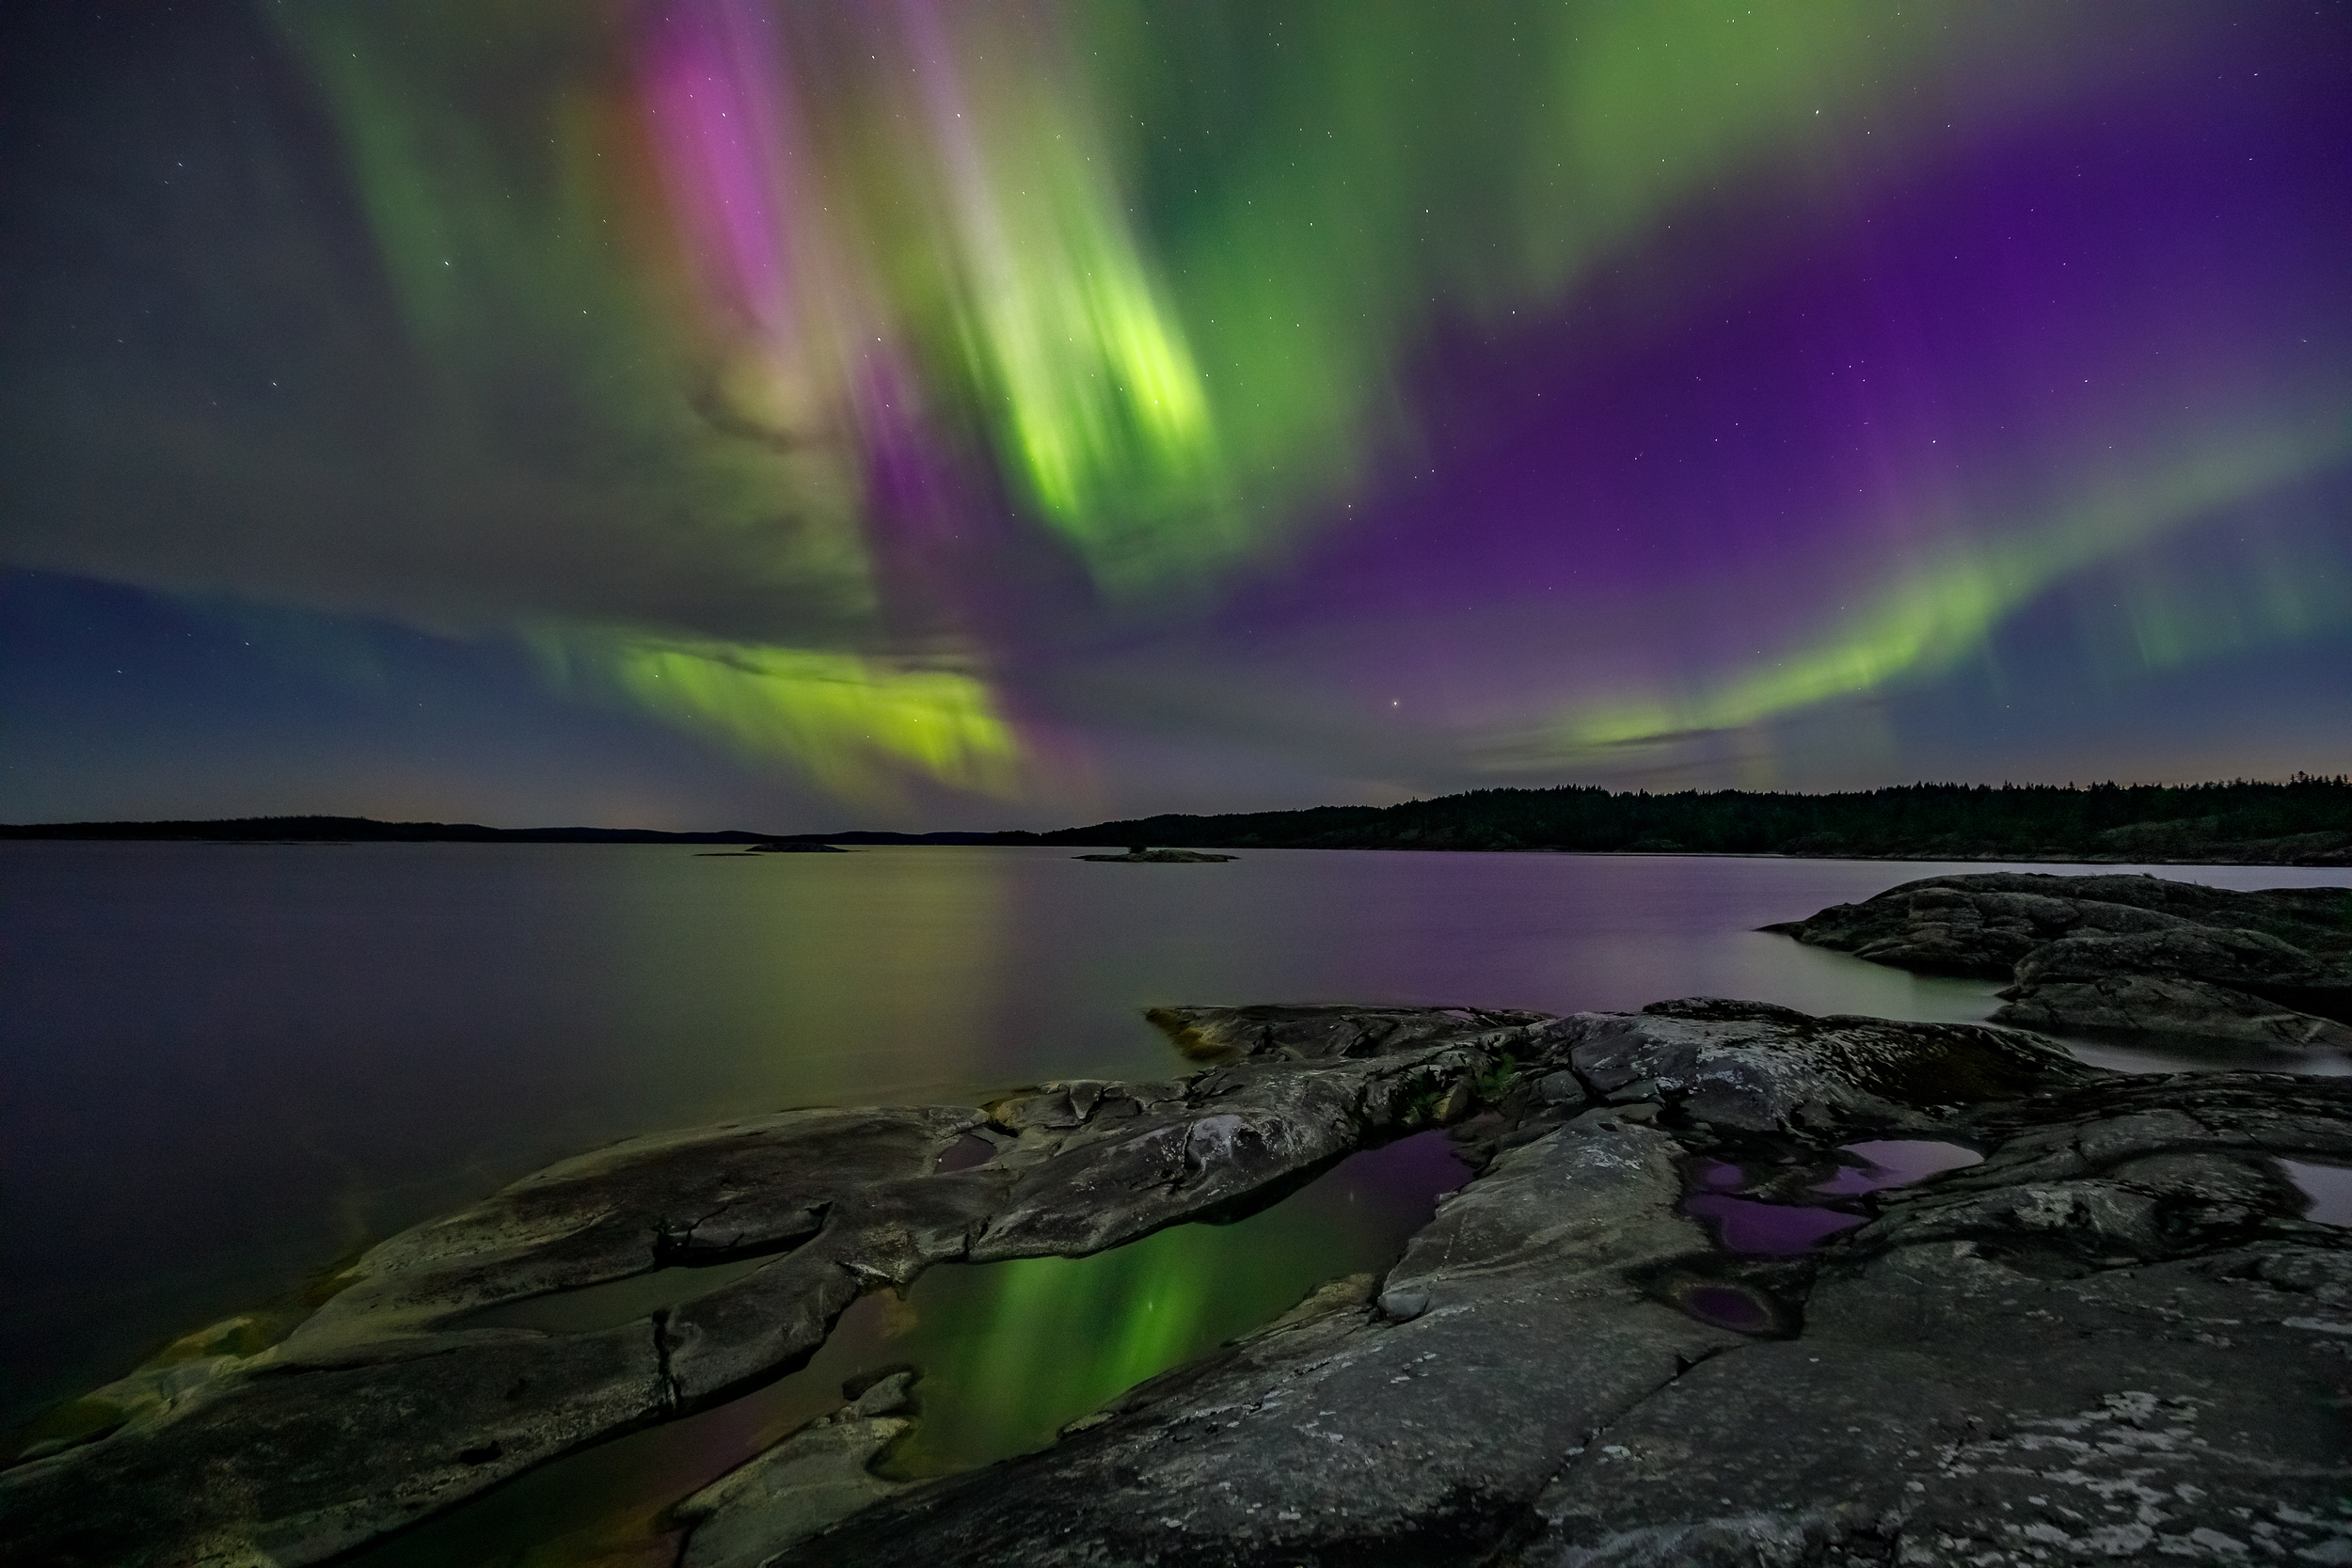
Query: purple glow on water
x=1896 y=1163
x=1744 y=1224
x=965 y=1153
x=1727 y=1305
x=1750 y=1225
x=2329 y=1187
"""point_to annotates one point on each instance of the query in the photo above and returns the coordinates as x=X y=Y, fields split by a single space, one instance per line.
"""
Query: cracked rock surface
x=2113 y=1338
x=2120 y=955
x=1341 y=1435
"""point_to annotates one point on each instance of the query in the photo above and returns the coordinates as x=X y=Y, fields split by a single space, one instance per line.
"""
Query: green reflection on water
x=1021 y=1348
x=814 y=979
x=1009 y=1353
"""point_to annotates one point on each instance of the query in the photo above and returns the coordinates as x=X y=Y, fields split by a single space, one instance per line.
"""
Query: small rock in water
x=1160 y=857
x=888 y=1396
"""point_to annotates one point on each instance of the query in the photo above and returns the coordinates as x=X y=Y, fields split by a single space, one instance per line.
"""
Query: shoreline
x=1767 y=1204
x=2333 y=861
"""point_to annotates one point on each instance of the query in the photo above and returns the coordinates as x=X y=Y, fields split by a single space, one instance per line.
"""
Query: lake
x=231 y=1065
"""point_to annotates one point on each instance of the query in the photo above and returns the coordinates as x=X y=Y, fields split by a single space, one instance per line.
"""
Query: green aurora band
x=1397 y=394
x=1158 y=267
x=1941 y=611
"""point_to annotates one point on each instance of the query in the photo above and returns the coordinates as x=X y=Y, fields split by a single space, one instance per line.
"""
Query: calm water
x=1010 y=1354
x=229 y=1066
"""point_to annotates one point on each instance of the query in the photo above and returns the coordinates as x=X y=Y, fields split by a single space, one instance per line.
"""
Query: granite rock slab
x=405 y=1394
x=2115 y=1339
x=2120 y=955
x=2114 y=1332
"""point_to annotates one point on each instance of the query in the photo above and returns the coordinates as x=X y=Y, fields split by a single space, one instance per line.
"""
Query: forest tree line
x=2122 y=822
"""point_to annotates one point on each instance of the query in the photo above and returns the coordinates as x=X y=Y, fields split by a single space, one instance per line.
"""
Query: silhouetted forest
x=2306 y=820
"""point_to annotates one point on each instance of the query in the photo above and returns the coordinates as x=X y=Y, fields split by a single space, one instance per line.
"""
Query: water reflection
x=1745 y=1225
x=2329 y=1187
x=1879 y=1162
x=1778 y=1210
x=2125 y=1053
x=1010 y=1354
x=1013 y=1351
x=231 y=1063
x=830 y=979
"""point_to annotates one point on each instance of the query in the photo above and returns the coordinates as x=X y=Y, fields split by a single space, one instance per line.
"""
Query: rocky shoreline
x=2115 y=1335
x=2127 y=956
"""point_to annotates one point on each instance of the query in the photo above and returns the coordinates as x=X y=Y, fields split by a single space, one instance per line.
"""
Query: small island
x=1139 y=855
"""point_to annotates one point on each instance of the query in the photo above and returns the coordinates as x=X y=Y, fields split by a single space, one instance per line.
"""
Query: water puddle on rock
x=2125 y=1052
x=1780 y=1210
x=1727 y=1304
x=1744 y=1224
x=1896 y=1163
x=2329 y=1187
x=1010 y=1354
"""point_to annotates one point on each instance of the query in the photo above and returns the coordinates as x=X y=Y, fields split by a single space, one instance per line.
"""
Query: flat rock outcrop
x=2120 y=955
x=2113 y=1335
x=2112 y=1339
x=402 y=1395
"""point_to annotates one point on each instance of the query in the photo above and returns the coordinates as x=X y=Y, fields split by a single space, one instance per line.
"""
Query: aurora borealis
x=957 y=416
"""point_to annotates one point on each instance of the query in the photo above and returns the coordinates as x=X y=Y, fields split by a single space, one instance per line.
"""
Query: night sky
x=920 y=414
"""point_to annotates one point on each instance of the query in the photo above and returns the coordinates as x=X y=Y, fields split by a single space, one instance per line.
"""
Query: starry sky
x=702 y=413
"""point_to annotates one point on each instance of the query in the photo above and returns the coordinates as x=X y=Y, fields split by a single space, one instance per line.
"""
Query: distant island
x=2304 y=821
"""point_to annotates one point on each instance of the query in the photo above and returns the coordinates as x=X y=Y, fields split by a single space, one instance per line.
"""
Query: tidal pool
x=2329 y=1187
x=1010 y=1354
x=1790 y=1217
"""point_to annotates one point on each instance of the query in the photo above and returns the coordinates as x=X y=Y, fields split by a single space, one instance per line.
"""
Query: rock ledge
x=2116 y=1334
